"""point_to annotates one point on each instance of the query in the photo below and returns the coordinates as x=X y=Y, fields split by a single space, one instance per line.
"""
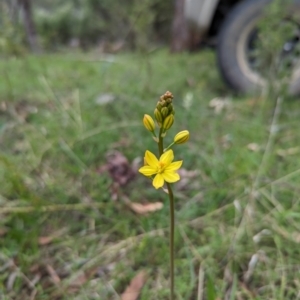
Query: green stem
x=172 y=223
x=169 y=146
x=160 y=143
x=172 y=230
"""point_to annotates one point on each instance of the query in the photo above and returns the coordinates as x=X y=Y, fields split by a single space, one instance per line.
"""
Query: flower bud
x=170 y=107
x=168 y=122
x=149 y=123
x=158 y=116
x=162 y=102
x=181 y=137
x=158 y=106
x=164 y=112
x=168 y=95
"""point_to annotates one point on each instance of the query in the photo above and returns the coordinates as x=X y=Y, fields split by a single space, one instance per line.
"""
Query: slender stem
x=172 y=230
x=160 y=143
x=169 y=147
x=172 y=223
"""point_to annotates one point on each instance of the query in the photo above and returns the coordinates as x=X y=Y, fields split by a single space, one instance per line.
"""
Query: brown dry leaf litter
x=186 y=177
x=118 y=168
x=287 y=152
x=45 y=240
x=254 y=147
x=142 y=208
x=133 y=291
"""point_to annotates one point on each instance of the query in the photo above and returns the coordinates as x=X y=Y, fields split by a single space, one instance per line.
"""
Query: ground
x=68 y=232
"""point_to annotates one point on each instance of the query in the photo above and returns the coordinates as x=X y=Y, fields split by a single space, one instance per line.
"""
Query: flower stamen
x=163 y=168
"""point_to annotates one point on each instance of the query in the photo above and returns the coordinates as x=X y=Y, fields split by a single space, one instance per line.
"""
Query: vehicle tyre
x=233 y=41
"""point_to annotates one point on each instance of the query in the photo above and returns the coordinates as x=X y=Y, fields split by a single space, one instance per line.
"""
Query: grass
x=238 y=220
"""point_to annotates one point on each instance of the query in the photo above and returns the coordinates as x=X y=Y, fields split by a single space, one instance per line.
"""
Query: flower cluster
x=163 y=169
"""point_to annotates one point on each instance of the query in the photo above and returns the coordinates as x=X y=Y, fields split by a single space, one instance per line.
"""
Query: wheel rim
x=248 y=57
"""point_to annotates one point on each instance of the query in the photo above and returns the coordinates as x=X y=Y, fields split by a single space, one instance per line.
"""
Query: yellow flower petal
x=151 y=159
x=174 y=166
x=167 y=158
x=147 y=170
x=158 y=181
x=170 y=176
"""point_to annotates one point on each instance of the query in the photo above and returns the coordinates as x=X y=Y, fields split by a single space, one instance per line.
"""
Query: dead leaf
x=253 y=147
x=219 y=104
x=45 y=240
x=185 y=178
x=3 y=106
x=55 y=278
x=118 y=168
x=11 y=280
x=132 y=292
x=81 y=279
x=145 y=208
x=22 y=109
x=105 y=98
x=142 y=208
x=251 y=267
x=286 y=152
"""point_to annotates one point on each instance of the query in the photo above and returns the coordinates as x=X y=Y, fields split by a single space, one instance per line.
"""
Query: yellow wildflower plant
x=164 y=169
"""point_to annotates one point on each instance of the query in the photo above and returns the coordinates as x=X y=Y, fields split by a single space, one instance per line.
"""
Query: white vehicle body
x=199 y=13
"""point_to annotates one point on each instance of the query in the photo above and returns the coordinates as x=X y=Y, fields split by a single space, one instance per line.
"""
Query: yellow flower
x=181 y=137
x=148 y=123
x=163 y=169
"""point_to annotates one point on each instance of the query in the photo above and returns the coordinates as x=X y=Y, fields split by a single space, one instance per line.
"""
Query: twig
x=200 y=283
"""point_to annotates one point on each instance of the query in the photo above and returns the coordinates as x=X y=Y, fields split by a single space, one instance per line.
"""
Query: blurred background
x=108 y=26
x=77 y=221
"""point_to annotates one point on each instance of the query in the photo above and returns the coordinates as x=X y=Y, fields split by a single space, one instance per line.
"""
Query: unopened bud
x=149 y=123
x=158 y=116
x=164 y=112
x=168 y=122
x=168 y=95
x=181 y=137
x=170 y=107
x=163 y=103
x=158 y=106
